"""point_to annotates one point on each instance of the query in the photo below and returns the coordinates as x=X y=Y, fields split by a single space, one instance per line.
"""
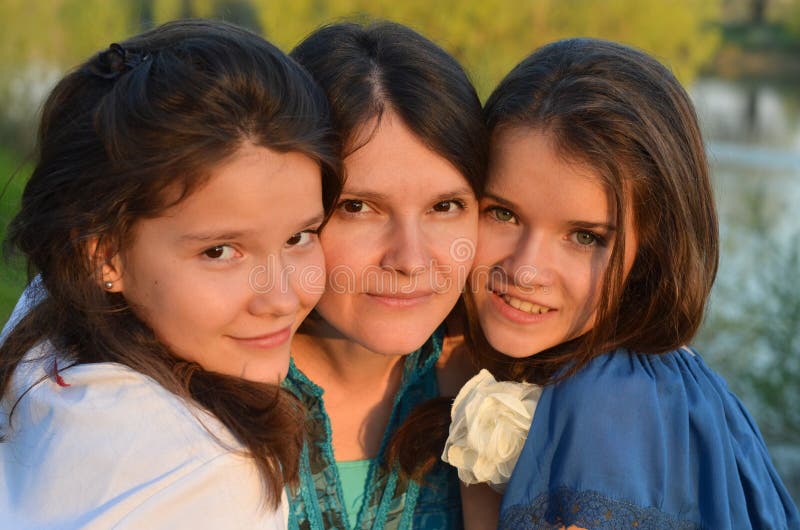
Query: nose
x=272 y=290
x=406 y=250
x=532 y=263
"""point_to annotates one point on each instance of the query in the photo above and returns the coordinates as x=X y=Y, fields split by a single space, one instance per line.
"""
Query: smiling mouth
x=269 y=340
x=401 y=295
x=524 y=305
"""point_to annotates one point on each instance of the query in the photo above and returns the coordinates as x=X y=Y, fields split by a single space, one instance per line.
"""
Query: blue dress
x=645 y=441
x=389 y=501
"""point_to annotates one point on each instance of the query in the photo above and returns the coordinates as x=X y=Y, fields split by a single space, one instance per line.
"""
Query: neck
x=325 y=355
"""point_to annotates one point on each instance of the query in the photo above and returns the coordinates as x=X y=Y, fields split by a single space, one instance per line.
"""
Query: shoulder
x=112 y=446
x=658 y=431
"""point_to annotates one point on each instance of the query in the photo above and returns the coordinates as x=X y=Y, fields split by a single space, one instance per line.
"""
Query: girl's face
x=546 y=235
x=225 y=277
x=400 y=243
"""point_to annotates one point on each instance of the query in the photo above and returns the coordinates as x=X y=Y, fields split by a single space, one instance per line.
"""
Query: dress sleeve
x=644 y=441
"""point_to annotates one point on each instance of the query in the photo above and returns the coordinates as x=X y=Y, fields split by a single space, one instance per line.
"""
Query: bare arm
x=480 y=507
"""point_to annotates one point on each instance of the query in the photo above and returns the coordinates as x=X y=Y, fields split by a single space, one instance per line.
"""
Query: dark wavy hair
x=621 y=112
x=153 y=114
x=366 y=70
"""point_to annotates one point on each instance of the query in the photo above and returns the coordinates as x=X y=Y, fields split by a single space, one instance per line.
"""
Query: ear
x=106 y=264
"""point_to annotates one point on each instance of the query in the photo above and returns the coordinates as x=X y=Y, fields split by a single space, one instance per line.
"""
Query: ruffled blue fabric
x=645 y=441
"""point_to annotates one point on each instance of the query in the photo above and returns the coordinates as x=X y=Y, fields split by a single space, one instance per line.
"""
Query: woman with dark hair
x=177 y=173
x=398 y=247
x=598 y=250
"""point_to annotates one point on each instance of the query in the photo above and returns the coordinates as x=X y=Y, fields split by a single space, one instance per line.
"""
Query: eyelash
x=310 y=231
x=460 y=204
x=492 y=211
x=599 y=240
x=215 y=248
x=343 y=203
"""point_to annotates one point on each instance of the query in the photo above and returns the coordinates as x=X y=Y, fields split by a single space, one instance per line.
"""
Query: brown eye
x=445 y=206
x=219 y=252
x=352 y=206
x=301 y=238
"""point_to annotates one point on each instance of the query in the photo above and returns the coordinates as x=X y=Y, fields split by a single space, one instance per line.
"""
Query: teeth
x=522 y=305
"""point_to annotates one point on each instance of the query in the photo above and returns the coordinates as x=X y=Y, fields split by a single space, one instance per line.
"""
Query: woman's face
x=400 y=243
x=546 y=235
x=225 y=277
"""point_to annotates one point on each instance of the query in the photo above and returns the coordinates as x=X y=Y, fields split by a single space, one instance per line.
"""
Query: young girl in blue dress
x=598 y=247
x=182 y=176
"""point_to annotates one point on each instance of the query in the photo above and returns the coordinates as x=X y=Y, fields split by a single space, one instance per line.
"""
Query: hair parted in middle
x=367 y=70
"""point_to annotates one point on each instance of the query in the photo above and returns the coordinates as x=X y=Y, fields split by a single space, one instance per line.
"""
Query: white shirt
x=116 y=450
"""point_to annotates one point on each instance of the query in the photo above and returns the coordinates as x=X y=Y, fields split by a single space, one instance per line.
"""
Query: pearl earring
x=108 y=285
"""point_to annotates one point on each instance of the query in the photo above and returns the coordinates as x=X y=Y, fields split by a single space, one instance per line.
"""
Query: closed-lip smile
x=401 y=299
x=267 y=340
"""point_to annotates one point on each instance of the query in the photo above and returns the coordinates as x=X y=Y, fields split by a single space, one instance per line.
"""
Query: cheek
x=493 y=246
x=346 y=245
x=308 y=278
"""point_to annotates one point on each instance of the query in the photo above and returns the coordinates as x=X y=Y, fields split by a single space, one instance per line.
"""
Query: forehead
x=256 y=189
x=392 y=160
x=527 y=168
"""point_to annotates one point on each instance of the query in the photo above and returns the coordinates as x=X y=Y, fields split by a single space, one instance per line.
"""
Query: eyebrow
x=593 y=226
x=230 y=235
x=503 y=202
x=378 y=196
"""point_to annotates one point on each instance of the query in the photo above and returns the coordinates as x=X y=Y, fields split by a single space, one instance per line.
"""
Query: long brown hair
x=153 y=113
x=624 y=114
x=368 y=69
x=620 y=111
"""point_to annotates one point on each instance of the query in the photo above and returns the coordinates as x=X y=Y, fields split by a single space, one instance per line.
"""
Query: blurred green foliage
x=43 y=39
x=489 y=36
x=12 y=272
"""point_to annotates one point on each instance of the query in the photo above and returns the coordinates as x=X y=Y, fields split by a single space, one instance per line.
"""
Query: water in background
x=752 y=330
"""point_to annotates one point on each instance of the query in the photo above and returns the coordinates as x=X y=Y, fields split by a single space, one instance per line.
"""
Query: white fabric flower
x=490 y=422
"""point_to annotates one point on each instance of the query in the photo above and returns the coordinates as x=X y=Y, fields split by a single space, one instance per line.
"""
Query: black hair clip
x=115 y=61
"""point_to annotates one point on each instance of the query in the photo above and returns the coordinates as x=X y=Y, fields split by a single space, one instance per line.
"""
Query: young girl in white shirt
x=172 y=216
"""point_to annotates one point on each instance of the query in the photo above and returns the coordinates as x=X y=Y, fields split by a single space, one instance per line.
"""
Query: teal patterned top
x=390 y=502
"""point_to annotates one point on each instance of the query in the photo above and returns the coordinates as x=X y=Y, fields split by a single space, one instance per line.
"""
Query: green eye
x=585 y=238
x=503 y=215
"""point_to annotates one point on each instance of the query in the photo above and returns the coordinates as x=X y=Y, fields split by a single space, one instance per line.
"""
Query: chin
x=512 y=343
x=378 y=344
x=400 y=336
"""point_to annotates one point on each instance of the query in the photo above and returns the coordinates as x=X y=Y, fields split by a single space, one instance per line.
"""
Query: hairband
x=115 y=61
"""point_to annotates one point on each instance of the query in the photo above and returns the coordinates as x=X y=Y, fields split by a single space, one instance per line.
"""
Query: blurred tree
x=491 y=36
x=40 y=39
x=239 y=12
